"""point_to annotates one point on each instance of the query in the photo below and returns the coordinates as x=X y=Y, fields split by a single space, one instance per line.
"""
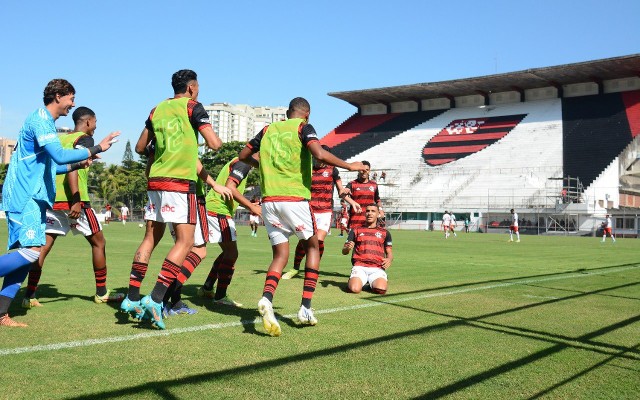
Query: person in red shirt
x=362 y=191
x=107 y=214
x=372 y=254
x=344 y=217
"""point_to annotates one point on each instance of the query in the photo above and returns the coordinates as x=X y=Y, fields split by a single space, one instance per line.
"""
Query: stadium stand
x=596 y=129
x=354 y=126
x=555 y=143
x=379 y=133
x=507 y=172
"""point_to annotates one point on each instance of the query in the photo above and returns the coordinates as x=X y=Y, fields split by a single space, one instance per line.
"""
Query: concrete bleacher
x=596 y=130
x=354 y=126
x=383 y=131
x=505 y=174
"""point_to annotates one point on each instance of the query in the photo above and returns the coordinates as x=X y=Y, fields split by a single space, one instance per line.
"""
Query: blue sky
x=120 y=55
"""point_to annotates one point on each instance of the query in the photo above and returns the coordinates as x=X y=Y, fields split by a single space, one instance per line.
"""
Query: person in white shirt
x=446 y=223
x=606 y=228
x=124 y=214
x=514 y=227
x=452 y=224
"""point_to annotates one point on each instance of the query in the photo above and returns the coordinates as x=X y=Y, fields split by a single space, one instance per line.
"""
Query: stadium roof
x=589 y=71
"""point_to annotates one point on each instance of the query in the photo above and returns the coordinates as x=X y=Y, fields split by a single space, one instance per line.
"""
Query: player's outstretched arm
x=356 y=207
x=63 y=156
x=243 y=201
x=211 y=138
x=105 y=144
x=320 y=154
x=247 y=155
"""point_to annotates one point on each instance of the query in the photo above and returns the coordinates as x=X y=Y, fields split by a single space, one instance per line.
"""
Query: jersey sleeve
x=199 y=118
x=351 y=237
x=254 y=144
x=147 y=123
x=387 y=239
x=308 y=134
x=336 y=175
x=65 y=156
x=239 y=171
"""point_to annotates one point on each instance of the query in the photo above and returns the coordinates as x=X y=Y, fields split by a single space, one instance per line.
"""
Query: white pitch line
x=175 y=331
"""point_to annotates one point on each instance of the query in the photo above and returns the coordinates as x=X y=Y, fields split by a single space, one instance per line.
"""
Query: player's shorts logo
x=167 y=209
x=463 y=137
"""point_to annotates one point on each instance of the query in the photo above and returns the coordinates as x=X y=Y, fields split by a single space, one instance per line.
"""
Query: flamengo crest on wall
x=463 y=137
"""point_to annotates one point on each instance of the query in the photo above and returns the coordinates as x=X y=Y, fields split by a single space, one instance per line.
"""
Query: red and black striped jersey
x=322 y=181
x=363 y=194
x=370 y=245
x=344 y=212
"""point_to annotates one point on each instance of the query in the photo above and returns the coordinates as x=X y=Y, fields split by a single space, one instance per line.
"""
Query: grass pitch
x=467 y=318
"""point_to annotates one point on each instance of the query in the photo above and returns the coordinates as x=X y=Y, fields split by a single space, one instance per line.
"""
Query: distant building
x=240 y=122
x=6 y=149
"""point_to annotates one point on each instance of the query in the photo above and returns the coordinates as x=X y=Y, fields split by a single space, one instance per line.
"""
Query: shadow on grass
x=163 y=389
x=514 y=279
x=578 y=291
x=46 y=294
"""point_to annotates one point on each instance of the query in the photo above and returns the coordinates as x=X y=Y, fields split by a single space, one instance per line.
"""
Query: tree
x=127 y=158
x=3 y=173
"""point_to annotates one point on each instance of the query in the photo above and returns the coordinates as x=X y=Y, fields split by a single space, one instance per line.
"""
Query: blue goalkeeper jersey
x=32 y=171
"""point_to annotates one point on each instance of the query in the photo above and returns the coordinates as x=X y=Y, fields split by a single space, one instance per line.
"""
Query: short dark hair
x=372 y=205
x=82 y=112
x=180 y=80
x=367 y=163
x=57 y=86
x=511 y=210
x=299 y=104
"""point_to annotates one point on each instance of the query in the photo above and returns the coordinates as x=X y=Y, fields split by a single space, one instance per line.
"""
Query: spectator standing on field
x=124 y=214
x=607 y=228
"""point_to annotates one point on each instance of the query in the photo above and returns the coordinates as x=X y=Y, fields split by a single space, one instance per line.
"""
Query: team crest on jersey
x=378 y=235
x=325 y=174
x=371 y=188
x=463 y=137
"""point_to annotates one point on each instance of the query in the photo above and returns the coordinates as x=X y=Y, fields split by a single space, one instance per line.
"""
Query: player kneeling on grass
x=372 y=253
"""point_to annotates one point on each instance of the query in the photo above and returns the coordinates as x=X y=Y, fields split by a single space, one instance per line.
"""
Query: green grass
x=468 y=318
